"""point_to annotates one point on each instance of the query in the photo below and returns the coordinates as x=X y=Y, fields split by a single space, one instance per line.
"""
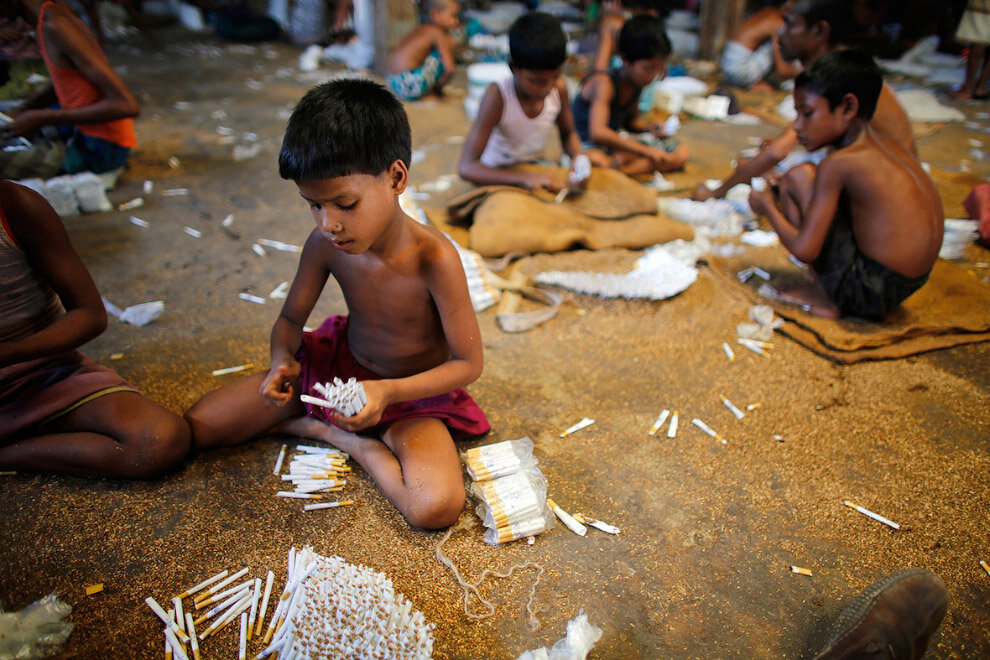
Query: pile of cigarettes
x=346 y=398
x=314 y=472
x=332 y=609
x=511 y=490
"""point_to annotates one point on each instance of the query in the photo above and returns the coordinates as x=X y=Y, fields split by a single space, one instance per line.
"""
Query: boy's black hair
x=837 y=13
x=642 y=37
x=344 y=126
x=537 y=42
x=844 y=72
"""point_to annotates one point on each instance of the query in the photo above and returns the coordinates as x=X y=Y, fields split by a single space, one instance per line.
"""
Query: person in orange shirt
x=87 y=100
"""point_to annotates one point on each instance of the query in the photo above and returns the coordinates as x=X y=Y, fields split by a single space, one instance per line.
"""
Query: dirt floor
x=701 y=568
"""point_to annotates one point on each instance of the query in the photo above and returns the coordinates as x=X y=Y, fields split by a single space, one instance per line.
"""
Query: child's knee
x=436 y=510
x=151 y=448
x=799 y=177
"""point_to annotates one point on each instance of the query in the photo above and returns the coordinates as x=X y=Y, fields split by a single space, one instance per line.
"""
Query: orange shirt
x=75 y=91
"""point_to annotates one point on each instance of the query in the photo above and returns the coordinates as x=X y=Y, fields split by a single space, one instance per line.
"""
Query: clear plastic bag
x=37 y=631
x=521 y=529
x=512 y=498
x=499 y=459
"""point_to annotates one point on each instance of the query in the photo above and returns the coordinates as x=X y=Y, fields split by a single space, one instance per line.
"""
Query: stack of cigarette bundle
x=346 y=398
x=314 y=472
x=511 y=490
x=333 y=609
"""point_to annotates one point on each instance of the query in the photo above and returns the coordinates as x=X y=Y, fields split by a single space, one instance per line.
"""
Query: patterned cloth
x=743 y=67
x=325 y=353
x=414 y=84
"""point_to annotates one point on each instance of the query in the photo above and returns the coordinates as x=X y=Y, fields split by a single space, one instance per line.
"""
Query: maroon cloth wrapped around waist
x=325 y=354
x=36 y=391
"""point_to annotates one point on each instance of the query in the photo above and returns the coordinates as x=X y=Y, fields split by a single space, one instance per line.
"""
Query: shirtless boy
x=424 y=60
x=411 y=337
x=813 y=28
x=868 y=220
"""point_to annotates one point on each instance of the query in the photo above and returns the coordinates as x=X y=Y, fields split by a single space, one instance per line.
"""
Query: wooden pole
x=719 y=20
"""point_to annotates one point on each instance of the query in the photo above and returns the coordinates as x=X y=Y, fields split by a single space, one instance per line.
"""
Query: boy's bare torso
x=394 y=326
x=413 y=49
x=896 y=210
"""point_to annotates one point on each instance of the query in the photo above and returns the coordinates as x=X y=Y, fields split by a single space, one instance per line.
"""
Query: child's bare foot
x=962 y=93
x=314 y=429
x=812 y=298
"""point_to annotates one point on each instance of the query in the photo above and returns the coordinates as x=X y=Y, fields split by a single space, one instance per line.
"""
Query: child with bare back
x=410 y=338
x=424 y=60
x=59 y=410
x=753 y=52
x=516 y=114
x=868 y=219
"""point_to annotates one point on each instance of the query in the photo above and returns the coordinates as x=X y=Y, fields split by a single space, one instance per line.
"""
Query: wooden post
x=719 y=20
x=380 y=13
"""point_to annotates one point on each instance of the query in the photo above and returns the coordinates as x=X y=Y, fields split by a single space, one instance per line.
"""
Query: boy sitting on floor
x=424 y=60
x=868 y=219
x=59 y=410
x=411 y=337
x=609 y=101
x=515 y=114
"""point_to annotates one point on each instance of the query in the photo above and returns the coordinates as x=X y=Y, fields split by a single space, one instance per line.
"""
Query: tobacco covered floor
x=701 y=568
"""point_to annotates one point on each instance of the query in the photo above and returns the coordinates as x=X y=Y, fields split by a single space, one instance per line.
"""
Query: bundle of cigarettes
x=346 y=398
x=332 y=609
x=511 y=490
x=314 y=473
x=220 y=606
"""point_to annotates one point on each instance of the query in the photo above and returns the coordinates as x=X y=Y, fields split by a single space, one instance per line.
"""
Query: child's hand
x=370 y=414
x=537 y=180
x=761 y=200
x=702 y=193
x=580 y=172
x=277 y=386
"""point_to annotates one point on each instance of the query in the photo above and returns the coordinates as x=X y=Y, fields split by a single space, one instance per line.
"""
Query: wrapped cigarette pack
x=510 y=489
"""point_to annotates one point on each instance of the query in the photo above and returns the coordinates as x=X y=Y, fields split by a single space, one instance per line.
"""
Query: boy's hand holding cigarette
x=277 y=386
x=376 y=393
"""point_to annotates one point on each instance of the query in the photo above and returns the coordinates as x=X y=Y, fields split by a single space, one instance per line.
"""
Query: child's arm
x=470 y=167
x=39 y=232
x=772 y=153
x=445 y=280
x=569 y=138
x=444 y=44
x=602 y=91
x=804 y=236
x=311 y=276
x=117 y=102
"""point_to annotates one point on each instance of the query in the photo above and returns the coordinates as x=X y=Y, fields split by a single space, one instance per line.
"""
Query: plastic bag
x=37 y=631
x=581 y=637
x=520 y=530
x=499 y=459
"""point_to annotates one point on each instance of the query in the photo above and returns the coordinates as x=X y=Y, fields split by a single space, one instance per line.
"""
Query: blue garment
x=414 y=84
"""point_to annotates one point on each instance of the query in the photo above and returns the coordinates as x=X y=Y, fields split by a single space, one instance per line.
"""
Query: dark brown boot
x=893 y=618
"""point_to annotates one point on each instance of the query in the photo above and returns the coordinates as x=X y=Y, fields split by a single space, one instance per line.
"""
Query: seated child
x=608 y=101
x=59 y=410
x=515 y=115
x=614 y=16
x=869 y=219
x=86 y=99
x=813 y=28
x=411 y=337
x=424 y=60
x=753 y=54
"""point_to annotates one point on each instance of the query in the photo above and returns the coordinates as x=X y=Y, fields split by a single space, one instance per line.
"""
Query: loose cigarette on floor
x=279 y=245
x=175 y=192
x=732 y=407
x=232 y=370
x=166 y=619
x=251 y=298
x=280 y=291
x=597 y=524
x=584 y=423
x=168 y=649
x=242 y=647
x=218 y=587
x=203 y=602
x=254 y=606
x=752 y=347
x=144 y=224
x=222 y=607
x=986 y=567
x=264 y=603
x=657 y=425
x=94 y=589
x=759 y=272
x=875 y=516
x=707 y=429
x=178 y=652
x=327 y=505
x=132 y=204
x=195 y=233
x=728 y=352
x=560 y=196
x=278 y=463
x=567 y=519
x=801 y=571
x=298 y=496
x=672 y=429
x=190 y=591
x=757 y=342
x=180 y=619
x=258 y=250
x=193 y=641
x=231 y=614
x=752 y=406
